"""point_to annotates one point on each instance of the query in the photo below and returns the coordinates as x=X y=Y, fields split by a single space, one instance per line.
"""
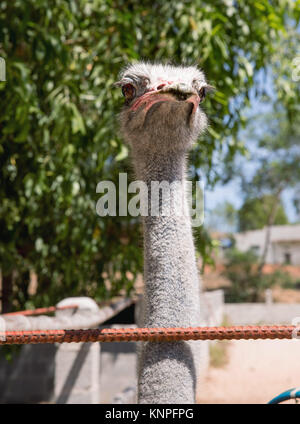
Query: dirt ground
x=256 y=372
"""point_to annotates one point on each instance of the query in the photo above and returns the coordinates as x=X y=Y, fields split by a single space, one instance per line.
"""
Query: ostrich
x=160 y=121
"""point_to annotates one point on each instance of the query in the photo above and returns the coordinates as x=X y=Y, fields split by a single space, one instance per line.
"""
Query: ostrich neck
x=170 y=272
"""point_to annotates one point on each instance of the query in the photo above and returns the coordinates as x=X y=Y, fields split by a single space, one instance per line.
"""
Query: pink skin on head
x=151 y=97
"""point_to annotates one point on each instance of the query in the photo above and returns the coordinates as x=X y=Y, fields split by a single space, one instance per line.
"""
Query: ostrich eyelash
x=204 y=90
x=202 y=94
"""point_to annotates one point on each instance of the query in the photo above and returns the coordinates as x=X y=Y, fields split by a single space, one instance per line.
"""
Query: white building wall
x=249 y=239
x=281 y=249
x=285 y=239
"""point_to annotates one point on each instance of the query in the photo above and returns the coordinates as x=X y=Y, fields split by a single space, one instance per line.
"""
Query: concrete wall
x=68 y=373
x=61 y=373
x=118 y=376
x=77 y=371
x=29 y=377
x=212 y=307
x=261 y=313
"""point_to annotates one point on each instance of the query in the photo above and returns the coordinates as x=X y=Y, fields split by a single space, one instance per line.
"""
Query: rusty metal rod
x=39 y=311
x=151 y=334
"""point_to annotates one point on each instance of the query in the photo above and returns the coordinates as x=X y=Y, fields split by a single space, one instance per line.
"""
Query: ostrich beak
x=149 y=99
x=195 y=100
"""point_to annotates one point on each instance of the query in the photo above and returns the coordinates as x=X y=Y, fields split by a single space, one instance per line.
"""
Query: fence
x=83 y=372
x=90 y=372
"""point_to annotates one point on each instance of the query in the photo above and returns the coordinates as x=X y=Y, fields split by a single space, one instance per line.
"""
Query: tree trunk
x=270 y=222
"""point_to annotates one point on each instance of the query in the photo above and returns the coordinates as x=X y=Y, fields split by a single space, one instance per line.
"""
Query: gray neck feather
x=167 y=370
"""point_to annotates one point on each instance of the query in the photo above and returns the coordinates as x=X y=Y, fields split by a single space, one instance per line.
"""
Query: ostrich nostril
x=160 y=86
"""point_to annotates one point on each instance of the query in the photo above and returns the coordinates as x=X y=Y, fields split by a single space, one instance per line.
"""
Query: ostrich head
x=161 y=111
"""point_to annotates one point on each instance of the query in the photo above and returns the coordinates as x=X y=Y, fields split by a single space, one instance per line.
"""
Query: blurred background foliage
x=247 y=282
x=58 y=124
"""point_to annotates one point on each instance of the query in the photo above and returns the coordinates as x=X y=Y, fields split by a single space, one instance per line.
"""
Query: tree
x=279 y=169
x=254 y=213
x=58 y=135
x=248 y=283
x=223 y=216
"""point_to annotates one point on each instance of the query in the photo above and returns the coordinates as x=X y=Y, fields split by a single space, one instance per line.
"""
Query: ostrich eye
x=128 y=91
x=202 y=94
